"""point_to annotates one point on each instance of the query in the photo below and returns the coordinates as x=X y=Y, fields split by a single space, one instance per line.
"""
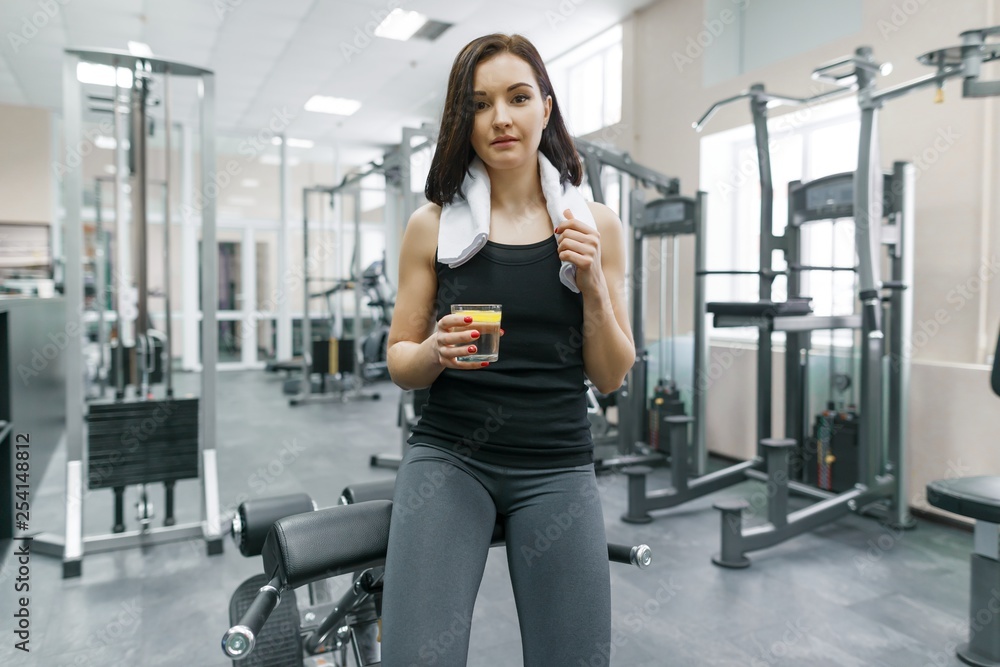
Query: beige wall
x=25 y=165
x=957 y=214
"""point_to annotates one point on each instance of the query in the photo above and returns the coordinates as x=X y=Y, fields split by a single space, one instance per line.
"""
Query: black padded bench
x=978 y=498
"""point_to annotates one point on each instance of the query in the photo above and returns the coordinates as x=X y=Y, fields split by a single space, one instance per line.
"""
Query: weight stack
x=831 y=463
x=666 y=402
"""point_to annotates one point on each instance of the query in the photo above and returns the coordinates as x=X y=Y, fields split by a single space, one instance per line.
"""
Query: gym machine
x=881 y=487
x=140 y=439
x=760 y=315
x=368 y=353
x=636 y=437
x=664 y=219
x=347 y=365
x=271 y=624
x=831 y=198
x=885 y=370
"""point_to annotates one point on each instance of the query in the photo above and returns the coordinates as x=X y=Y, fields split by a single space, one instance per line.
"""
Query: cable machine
x=365 y=359
x=347 y=365
x=180 y=441
x=637 y=437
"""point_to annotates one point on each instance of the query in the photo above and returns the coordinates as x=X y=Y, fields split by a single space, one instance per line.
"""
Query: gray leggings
x=444 y=510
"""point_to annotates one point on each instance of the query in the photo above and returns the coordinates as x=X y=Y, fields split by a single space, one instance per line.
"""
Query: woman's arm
x=420 y=346
x=608 y=348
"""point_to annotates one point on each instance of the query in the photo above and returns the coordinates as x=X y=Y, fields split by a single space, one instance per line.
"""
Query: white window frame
x=606 y=48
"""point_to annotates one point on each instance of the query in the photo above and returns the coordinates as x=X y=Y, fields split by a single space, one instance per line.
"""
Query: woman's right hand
x=453 y=337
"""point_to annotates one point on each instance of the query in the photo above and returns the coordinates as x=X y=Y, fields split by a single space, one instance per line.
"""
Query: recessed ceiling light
x=110 y=169
x=103 y=75
x=250 y=183
x=333 y=105
x=400 y=24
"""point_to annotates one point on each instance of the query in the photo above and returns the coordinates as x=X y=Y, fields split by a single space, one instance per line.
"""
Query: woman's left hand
x=580 y=245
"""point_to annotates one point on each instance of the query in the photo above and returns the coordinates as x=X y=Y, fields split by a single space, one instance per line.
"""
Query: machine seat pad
x=365 y=491
x=975 y=497
x=309 y=547
x=326 y=543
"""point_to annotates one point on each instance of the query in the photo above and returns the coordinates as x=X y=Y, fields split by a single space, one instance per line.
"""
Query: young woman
x=507 y=441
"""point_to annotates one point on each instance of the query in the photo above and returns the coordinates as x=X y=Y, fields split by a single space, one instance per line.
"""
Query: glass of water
x=485 y=320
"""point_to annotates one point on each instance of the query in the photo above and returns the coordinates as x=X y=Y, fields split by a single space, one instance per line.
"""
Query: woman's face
x=510 y=112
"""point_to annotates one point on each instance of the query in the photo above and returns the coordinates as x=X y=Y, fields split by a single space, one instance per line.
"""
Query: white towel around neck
x=465 y=223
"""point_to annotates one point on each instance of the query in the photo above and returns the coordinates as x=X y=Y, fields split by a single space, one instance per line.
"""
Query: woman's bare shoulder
x=421 y=235
x=603 y=215
x=425 y=220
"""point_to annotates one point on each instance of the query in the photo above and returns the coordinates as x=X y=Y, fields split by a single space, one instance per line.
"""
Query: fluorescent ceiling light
x=334 y=105
x=250 y=183
x=140 y=49
x=294 y=143
x=103 y=75
x=400 y=24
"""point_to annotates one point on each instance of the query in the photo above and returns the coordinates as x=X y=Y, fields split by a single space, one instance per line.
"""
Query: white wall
x=26 y=175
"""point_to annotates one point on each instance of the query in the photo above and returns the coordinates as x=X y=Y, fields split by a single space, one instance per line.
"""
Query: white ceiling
x=270 y=56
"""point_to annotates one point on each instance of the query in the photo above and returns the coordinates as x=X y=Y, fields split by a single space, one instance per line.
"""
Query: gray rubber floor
x=850 y=594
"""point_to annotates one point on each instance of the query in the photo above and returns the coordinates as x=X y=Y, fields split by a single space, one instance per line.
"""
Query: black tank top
x=529 y=408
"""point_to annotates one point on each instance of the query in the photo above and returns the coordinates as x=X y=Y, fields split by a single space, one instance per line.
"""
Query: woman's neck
x=513 y=190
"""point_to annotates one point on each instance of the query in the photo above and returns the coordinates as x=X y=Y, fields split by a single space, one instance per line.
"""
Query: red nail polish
x=475 y=334
x=501 y=332
x=472 y=348
x=468 y=320
x=485 y=363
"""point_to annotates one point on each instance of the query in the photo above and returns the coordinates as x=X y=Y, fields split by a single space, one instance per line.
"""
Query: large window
x=805 y=145
x=588 y=83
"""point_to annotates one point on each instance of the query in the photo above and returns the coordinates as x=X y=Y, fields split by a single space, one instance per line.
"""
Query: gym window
x=588 y=83
x=806 y=143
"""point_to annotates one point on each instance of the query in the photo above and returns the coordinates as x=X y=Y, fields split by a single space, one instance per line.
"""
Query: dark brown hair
x=454 y=149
